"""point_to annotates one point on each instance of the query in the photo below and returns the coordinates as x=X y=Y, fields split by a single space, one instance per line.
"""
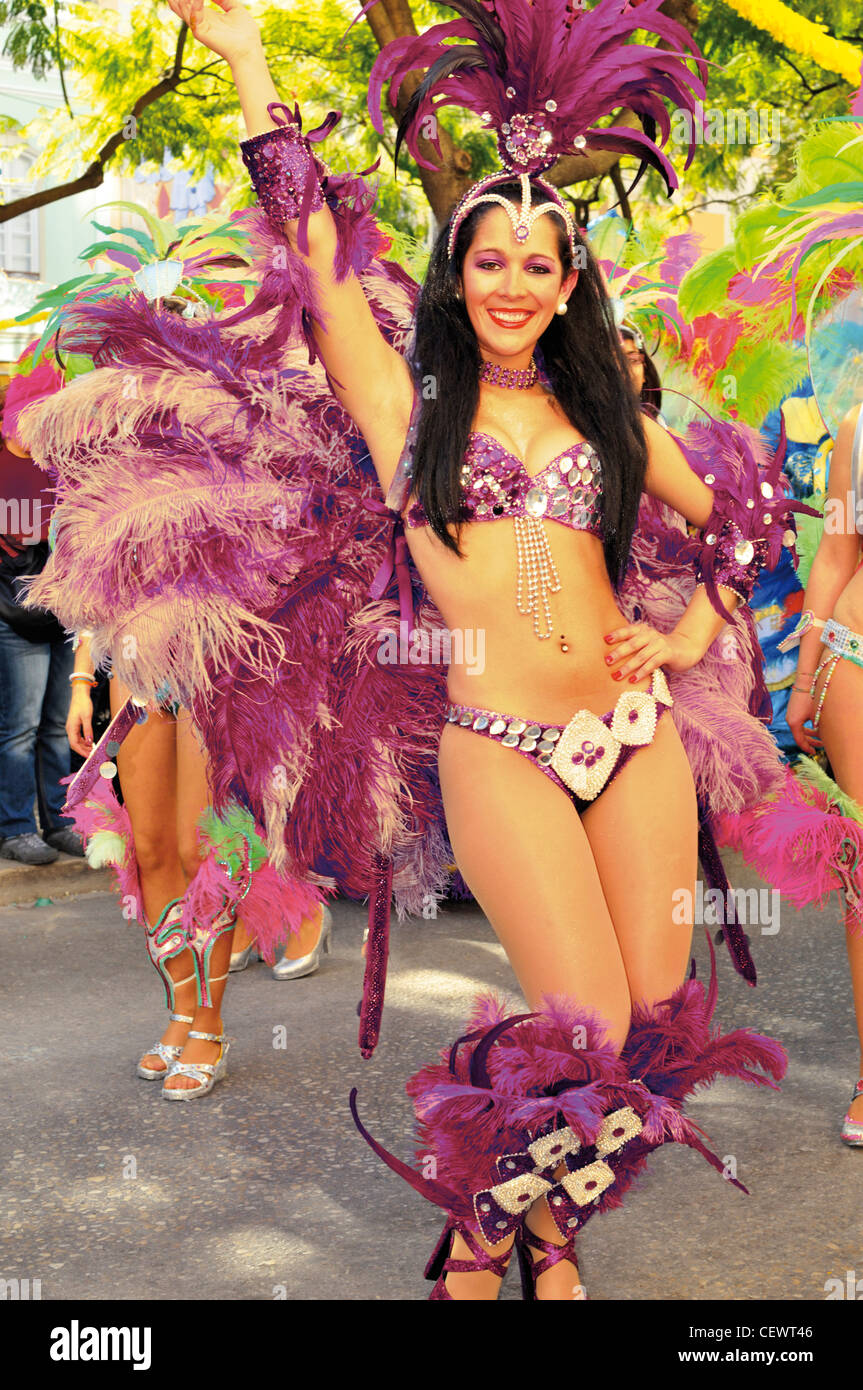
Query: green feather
x=227 y=835
x=764 y=373
x=704 y=288
x=810 y=771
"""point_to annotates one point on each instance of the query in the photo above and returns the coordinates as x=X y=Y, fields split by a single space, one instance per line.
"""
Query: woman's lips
x=506 y=318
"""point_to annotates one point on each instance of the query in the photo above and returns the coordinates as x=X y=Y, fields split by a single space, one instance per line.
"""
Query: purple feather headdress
x=541 y=73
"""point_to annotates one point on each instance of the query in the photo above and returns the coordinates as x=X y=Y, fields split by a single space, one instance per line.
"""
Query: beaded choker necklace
x=512 y=378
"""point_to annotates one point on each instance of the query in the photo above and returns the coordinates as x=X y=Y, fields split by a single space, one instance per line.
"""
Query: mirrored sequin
x=516 y=726
x=481 y=722
x=536 y=502
x=510 y=740
x=527 y=745
x=533 y=731
x=497 y=727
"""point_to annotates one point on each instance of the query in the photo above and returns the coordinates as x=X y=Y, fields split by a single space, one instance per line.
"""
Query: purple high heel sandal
x=531 y=1270
x=441 y=1264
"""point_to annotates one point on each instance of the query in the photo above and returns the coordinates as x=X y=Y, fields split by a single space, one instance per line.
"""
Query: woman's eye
x=543 y=269
x=488 y=265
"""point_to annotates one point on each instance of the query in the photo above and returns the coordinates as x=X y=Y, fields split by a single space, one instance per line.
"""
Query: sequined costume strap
x=400 y=487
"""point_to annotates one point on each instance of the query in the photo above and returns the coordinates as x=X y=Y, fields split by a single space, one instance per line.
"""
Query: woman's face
x=512 y=289
x=635 y=358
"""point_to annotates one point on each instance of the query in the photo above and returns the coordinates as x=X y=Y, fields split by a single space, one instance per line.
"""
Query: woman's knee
x=155 y=852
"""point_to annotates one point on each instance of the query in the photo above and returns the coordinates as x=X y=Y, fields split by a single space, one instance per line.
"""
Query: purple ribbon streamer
x=86 y=775
x=377 y=954
x=395 y=562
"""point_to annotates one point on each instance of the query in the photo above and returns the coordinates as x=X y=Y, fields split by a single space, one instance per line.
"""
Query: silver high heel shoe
x=240 y=959
x=207 y=1073
x=852 y=1130
x=286 y=969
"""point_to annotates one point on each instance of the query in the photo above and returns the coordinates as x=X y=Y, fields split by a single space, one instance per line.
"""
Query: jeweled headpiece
x=541 y=73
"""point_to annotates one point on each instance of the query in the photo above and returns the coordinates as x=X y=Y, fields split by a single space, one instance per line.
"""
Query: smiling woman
x=493 y=409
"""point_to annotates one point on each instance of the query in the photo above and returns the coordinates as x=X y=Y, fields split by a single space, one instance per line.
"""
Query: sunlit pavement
x=264 y=1190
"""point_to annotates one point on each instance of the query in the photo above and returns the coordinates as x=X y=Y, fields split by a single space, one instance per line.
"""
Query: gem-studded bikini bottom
x=586 y=754
x=841 y=643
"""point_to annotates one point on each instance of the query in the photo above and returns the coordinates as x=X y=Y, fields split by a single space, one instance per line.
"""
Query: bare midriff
x=849 y=605
x=523 y=674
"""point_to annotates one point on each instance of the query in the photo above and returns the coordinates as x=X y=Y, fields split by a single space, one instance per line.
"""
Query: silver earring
x=562 y=307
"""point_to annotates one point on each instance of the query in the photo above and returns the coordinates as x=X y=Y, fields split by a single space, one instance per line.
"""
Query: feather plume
x=559 y=64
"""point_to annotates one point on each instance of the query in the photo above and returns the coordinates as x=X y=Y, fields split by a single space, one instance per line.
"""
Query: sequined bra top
x=496 y=484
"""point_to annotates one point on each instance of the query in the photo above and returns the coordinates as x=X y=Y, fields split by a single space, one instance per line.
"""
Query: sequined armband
x=285 y=173
x=731 y=558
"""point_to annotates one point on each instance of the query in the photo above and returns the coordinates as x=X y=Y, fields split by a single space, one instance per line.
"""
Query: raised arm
x=367 y=375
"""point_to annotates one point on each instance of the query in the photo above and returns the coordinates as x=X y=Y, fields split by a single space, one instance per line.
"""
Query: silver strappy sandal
x=207 y=1073
x=169 y=1052
x=852 y=1130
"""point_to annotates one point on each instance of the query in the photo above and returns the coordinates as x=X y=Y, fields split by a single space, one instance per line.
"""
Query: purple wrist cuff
x=285 y=173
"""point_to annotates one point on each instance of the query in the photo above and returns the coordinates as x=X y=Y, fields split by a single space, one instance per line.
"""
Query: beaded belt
x=840 y=642
x=843 y=642
x=585 y=753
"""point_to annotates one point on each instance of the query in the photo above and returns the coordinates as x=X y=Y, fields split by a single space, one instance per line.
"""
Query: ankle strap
x=188 y=979
x=208 y=1037
x=493 y=1264
x=181 y=1018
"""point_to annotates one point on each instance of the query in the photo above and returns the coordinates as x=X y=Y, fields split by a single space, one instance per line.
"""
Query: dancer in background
x=828 y=690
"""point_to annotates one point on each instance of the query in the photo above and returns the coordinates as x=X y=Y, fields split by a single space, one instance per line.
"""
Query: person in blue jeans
x=36 y=660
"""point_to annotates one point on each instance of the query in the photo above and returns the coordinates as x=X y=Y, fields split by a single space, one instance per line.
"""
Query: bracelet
x=84 y=676
x=802 y=689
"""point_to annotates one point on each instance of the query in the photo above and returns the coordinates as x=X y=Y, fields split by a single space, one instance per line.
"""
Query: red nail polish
x=633 y=679
x=615 y=675
x=608 y=660
x=607 y=637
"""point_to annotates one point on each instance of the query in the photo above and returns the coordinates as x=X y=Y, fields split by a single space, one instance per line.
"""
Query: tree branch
x=94 y=174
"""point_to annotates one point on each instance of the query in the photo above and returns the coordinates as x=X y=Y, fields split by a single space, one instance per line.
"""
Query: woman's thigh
x=193 y=792
x=523 y=852
x=147 y=764
x=841 y=724
x=643 y=834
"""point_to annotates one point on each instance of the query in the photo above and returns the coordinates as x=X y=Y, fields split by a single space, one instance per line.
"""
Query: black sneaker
x=67 y=840
x=28 y=849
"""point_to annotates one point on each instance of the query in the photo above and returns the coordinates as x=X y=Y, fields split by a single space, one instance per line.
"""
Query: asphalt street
x=264 y=1190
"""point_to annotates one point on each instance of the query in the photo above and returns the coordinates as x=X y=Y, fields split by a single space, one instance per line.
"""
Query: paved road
x=265 y=1188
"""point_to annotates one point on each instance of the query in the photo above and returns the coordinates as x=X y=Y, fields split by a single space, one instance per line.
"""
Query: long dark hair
x=585 y=365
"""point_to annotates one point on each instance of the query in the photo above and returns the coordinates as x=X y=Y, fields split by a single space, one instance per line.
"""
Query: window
x=19 y=239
